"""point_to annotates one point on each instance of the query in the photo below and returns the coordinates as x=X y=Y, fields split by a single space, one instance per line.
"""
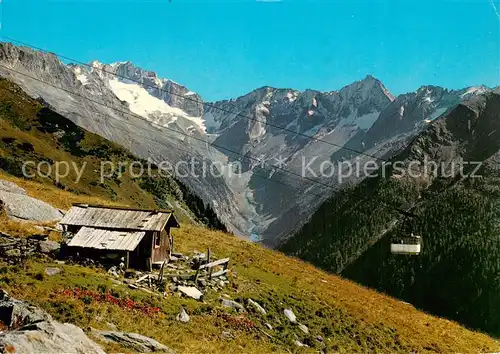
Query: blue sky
x=224 y=49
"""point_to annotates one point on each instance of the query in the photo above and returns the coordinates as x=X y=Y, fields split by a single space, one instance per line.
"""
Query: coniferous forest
x=457 y=274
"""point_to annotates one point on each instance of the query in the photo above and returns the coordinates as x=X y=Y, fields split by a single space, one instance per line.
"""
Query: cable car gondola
x=406 y=243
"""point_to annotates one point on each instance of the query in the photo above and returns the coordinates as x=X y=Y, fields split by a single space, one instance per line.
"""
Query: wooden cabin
x=141 y=236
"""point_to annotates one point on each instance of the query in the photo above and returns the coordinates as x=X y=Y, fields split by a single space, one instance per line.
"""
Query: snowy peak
x=308 y=110
x=161 y=101
x=141 y=102
x=172 y=93
x=368 y=88
x=472 y=91
x=411 y=112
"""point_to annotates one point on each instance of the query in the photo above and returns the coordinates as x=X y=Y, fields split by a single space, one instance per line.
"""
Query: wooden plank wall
x=162 y=252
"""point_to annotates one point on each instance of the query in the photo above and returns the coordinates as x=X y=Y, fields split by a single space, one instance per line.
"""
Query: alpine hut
x=140 y=236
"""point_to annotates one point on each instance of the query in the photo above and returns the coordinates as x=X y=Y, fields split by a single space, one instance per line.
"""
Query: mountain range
x=161 y=120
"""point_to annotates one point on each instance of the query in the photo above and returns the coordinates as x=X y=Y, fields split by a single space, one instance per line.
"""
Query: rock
x=133 y=341
x=191 y=291
x=233 y=304
x=183 y=316
x=49 y=337
x=268 y=326
x=290 y=315
x=133 y=286
x=112 y=326
x=50 y=271
x=113 y=271
x=49 y=247
x=15 y=313
x=22 y=207
x=227 y=335
x=319 y=338
x=304 y=328
x=257 y=307
x=11 y=187
x=132 y=274
x=13 y=253
x=299 y=344
x=4 y=235
x=221 y=283
x=40 y=237
x=32 y=330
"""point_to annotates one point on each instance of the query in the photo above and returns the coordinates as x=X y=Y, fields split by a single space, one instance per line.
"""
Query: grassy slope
x=349 y=317
x=31 y=132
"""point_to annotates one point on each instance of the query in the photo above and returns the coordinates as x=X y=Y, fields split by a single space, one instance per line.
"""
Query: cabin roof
x=103 y=239
x=119 y=218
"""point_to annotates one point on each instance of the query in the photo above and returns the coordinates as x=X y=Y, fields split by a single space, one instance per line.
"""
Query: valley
x=161 y=120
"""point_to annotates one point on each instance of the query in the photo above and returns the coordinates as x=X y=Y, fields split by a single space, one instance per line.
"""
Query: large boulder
x=19 y=206
x=133 y=341
x=32 y=330
x=15 y=314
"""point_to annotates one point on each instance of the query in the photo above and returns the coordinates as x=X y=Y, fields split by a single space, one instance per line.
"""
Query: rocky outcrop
x=133 y=341
x=11 y=187
x=32 y=330
x=19 y=206
x=49 y=247
x=48 y=337
x=16 y=249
